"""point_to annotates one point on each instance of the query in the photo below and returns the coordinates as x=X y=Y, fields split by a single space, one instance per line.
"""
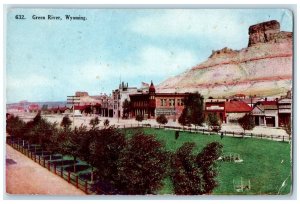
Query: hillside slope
x=264 y=68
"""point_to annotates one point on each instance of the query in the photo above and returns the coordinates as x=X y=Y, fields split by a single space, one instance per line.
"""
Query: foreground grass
x=266 y=163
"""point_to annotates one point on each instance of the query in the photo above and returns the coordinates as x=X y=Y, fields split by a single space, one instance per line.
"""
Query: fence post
x=44 y=162
x=86 y=187
x=39 y=159
x=225 y=132
x=260 y=136
x=232 y=133
x=271 y=137
x=61 y=172
x=49 y=165
x=34 y=157
x=251 y=134
x=203 y=131
x=69 y=177
x=282 y=138
x=77 y=181
x=54 y=168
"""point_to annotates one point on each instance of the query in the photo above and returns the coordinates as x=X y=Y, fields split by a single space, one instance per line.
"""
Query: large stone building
x=119 y=96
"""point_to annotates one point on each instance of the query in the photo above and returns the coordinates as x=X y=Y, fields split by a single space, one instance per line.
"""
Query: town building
x=151 y=104
x=284 y=111
x=229 y=111
x=266 y=113
x=106 y=102
x=119 y=96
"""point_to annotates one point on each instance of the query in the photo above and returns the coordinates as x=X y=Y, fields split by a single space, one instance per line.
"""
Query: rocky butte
x=264 y=68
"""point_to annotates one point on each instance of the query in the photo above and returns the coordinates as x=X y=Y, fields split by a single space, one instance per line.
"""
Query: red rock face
x=263 y=69
x=267 y=32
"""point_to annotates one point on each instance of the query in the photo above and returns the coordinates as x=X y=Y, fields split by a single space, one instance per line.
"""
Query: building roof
x=267 y=105
x=237 y=107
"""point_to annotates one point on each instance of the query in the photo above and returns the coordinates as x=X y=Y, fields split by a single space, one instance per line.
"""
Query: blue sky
x=49 y=60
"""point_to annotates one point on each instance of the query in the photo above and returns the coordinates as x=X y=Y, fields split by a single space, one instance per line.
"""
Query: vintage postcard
x=149 y=101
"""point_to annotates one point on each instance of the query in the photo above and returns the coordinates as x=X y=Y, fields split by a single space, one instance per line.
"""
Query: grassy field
x=265 y=163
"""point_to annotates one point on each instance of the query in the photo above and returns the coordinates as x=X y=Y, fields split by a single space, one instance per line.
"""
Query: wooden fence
x=73 y=178
x=205 y=131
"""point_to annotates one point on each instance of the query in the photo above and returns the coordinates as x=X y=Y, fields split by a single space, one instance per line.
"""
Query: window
x=171 y=102
x=163 y=102
x=180 y=102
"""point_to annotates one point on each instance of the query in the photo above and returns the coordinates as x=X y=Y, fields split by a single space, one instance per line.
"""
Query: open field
x=266 y=163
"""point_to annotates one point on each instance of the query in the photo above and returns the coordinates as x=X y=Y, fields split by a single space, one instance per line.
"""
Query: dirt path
x=24 y=176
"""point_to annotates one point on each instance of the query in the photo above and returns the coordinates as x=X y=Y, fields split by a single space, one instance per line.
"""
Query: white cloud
x=151 y=63
x=184 y=23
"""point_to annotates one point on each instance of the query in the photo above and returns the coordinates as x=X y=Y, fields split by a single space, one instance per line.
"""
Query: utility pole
x=118 y=103
x=73 y=100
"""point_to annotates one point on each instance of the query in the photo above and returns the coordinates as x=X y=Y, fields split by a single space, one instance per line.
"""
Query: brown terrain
x=264 y=68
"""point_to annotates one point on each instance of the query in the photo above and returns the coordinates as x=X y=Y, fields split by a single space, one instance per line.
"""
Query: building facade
x=153 y=104
x=266 y=113
x=119 y=96
x=284 y=111
x=229 y=111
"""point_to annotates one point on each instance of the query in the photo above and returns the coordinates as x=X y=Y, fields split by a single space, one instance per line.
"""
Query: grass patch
x=266 y=163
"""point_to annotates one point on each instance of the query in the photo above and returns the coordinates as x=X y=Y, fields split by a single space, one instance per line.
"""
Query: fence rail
x=206 y=131
x=73 y=178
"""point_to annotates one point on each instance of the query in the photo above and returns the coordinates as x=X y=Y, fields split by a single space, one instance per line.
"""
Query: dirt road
x=24 y=176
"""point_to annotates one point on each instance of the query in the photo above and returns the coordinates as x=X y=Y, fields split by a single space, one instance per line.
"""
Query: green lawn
x=266 y=163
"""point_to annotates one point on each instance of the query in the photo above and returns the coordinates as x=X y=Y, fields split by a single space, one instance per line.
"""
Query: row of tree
x=121 y=164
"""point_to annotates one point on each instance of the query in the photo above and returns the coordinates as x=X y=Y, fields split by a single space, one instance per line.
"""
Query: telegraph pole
x=73 y=100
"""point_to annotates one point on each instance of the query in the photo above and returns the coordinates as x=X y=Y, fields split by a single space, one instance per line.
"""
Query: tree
x=161 y=119
x=193 y=110
x=106 y=123
x=106 y=145
x=66 y=122
x=185 y=174
x=71 y=143
x=206 y=161
x=247 y=122
x=15 y=127
x=139 y=117
x=37 y=118
x=288 y=127
x=142 y=165
x=195 y=175
x=214 y=121
x=94 y=122
x=126 y=108
x=88 y=109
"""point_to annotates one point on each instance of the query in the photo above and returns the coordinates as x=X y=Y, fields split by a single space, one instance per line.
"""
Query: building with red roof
x=227 y=110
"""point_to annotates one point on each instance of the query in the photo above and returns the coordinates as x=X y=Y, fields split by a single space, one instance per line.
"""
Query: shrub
x=161 y=119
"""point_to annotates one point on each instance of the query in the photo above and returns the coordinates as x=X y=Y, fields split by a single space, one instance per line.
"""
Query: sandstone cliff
x=264 y=68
